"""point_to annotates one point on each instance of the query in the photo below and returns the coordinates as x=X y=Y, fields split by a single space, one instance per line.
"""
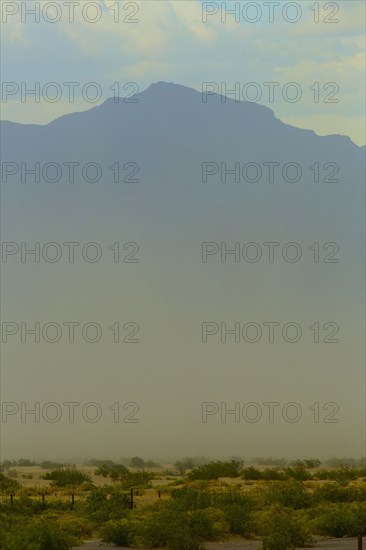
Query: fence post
x=131 y=499
x=11 y=499
x=43 y=505
x=359 y=542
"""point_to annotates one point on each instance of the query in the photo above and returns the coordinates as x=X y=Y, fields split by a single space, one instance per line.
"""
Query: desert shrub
x=155 y=529
x=343 y=473
x=178 y=531
x=26 y=462
x=67 y=476
x=137 y=462
x=136 y=479
x=282 y=526
x=273 y=474
x=297 y=472
x=214 y=470
x=277 y=541
x=103 y=470
x=15 y=537
x=152 y=464
x=78 y=527
x=7 y=484
x=114 y=471
x=99 y=462
x=202 y=525
x=22 y=505
x=85 y=487
x=312 y=462
x=340 y=519
x=183 y=465
x=252 y=473
x=238 y=517
x=183 y=539
x=126 y=478
x=118 y=532
x=291 y=494
x=105 y=503
x=49 y=536
x=269 y=474
x=333 y=492
x=36 y=535
x=189 y=498
x=221 y=527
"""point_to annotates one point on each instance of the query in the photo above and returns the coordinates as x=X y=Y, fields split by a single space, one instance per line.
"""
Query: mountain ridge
x=172 y=93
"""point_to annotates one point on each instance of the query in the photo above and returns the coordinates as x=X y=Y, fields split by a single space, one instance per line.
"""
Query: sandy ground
x=243 y=544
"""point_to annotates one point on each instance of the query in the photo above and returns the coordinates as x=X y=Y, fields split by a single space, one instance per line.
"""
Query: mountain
x=316 y=195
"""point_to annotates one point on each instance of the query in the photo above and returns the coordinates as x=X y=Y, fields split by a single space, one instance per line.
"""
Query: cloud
x=190 y=14
x=170 y=42
x=13 y=33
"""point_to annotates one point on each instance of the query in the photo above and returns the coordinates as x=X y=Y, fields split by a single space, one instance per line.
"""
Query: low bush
x=36 y=535
x=118 y=532
x=340 y=520
x=214 y=470
x=283 y=529
x=239 y=519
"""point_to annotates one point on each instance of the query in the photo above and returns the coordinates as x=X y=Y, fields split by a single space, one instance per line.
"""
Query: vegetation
x=67 y=476
x=7 y=484
x=284 y=506
x=214 y=470
x=126 y=478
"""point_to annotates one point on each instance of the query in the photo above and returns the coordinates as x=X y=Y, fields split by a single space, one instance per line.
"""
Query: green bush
x=114 y=471
x=284 y=526
x=178 y=531
x=155 y=529
x=238 y=517
x=343 y=473
x=298 y=472
x=201 y=525
x=7 y=484
x=252 y=473
x=136 y=479
x=117 y=532
x=105 y=503
x=51 y=537
x=273 y=474
x=333 y=492
x=190 y=498
x=291 y=494
x=78 y=527
x=36 y=535
x=67 y=476
x=221 y=527
x=214 y=470
x=277 y=541
x=341 y=520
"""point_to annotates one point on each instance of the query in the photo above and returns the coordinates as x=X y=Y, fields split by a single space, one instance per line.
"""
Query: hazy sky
x=170 y=42
x=171 y=381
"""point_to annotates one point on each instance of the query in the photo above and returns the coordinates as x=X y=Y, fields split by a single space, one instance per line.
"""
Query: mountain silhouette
x=168 y=133
x=163 y=202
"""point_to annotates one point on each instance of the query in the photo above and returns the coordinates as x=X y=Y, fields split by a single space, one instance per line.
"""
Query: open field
x=213 y=506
